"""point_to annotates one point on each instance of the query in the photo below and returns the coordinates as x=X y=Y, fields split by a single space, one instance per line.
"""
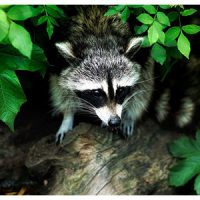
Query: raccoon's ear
x=133 y=46
x=65 y=49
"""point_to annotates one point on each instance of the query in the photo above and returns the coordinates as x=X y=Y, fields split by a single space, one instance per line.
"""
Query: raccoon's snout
x=114 y=121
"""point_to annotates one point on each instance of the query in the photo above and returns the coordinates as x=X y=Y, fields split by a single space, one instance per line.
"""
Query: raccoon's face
x=103 y=81
x=108 y=97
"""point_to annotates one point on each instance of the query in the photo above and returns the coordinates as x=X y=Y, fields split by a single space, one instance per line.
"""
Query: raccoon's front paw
x=127 y=128
x=66 y=126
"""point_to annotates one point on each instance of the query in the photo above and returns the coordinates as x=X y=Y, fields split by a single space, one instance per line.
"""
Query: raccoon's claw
x=67 y=125
x=127 y=128
x=59 y=137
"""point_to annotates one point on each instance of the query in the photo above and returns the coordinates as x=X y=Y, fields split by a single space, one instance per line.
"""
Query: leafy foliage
x=188 y=150
x=162 y=28
x=19 y=52
x=49 y=14
x=21 y=12
x=12 y=97
x=20 y=38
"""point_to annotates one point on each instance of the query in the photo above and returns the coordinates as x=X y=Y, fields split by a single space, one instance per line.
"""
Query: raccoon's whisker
x=80 y=106
x=86 y=109
x=84 y=106
x=132 y=96
x=146 y=80
x=80 y=103
x=85 y=101
x=88 y=103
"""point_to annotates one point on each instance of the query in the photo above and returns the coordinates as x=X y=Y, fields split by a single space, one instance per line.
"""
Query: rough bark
x=92 y=160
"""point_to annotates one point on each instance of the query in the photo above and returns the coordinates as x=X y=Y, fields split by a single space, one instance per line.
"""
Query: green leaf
x=191 y=29
x=4 y=25
x=56 y=8
x=146 y=42
x=184 y=45
x=21 y=12
x=53 y=21
x=141 y=29
x=11 y=59
x=184 y=171
x=38 y=61
x=184 y=147
x=150 y=9
x=38 y=10
x=163 y=18
x=188 y=12
x=153 y=34
x=188 y=150
x=125 y=14
x=161 y=37
x=20 y=39
x=172 y=33
x=158 y=26
x=55 y=11
x=172 y=16
x=4 y=6
x=52 y=12
x=161 y=34
x=165 y=6
x=145 y=18
x=111 y=11
x=12 y=97
x=119 y=7
x=158 y=53
x=171 y=43
x=50 y=28
x=197 y=184
x=41 y=20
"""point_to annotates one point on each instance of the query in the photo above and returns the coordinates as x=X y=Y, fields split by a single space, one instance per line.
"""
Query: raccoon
x=105 y=75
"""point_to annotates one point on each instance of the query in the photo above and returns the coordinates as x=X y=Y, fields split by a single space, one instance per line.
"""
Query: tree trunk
x=92 y=160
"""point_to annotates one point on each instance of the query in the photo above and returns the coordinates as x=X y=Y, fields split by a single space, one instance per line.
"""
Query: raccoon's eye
x=121 y=94
x=97 y=93
x=121 y=91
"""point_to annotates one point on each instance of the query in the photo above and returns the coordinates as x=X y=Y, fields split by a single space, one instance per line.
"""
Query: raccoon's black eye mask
x=98 y=97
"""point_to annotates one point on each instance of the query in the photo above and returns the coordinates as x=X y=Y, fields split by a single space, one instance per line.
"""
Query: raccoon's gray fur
x=107 y=75
x=102 y=76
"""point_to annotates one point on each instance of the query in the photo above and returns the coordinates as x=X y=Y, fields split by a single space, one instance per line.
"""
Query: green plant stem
x=46 y=11
x=179 y=20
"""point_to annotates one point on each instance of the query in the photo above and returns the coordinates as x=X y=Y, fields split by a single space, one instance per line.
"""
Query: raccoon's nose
x=114 y=121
